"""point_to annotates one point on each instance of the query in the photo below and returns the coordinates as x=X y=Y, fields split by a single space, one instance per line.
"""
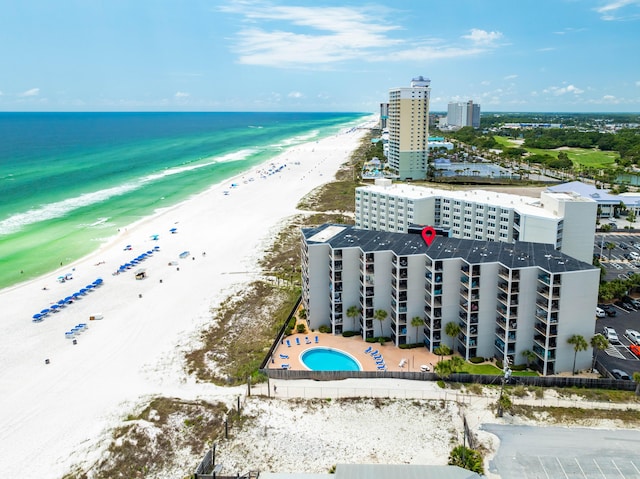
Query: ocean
x=68 y=181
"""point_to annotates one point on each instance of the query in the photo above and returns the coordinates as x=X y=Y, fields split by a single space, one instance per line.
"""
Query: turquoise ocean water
x=69 y=180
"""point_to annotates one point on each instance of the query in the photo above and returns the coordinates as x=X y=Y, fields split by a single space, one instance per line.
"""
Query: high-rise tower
x=408 y=125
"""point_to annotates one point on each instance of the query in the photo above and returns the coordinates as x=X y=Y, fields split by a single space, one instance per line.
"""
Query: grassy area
x=590 y=158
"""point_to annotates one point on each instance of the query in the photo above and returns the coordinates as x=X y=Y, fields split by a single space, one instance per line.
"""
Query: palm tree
x=636 y=378
x=457 y=363
x=609 y=247
x=452 y=329
x=353 y=312
x=579 y=344
x=598 y=343
x=528 y=356
x=380 y=315
x=416 y=322
x=443 y=369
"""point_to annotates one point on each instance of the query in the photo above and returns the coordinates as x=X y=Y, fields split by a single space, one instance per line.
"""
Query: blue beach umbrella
x=97 y=281
x=62 y=302
x=68 y=298
x=37 y=316
x=90 y=286
x=45 y=311
x=54 y=307
x=83 y=291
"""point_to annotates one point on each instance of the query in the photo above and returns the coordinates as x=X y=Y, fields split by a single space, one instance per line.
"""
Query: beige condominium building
x=408 y=124
x=564 y=220
x=504 y=298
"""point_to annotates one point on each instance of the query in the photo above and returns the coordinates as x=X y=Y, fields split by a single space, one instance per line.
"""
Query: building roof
x=383 y=471
x=512 y=255
x=590 y=191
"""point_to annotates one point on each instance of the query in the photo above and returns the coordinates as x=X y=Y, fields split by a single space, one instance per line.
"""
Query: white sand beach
x=58 y=398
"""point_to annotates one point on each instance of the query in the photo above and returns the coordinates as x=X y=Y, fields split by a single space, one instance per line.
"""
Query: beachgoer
x=275 y=389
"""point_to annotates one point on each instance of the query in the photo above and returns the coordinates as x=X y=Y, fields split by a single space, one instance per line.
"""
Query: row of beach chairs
x=306 y=340
x=377 y=356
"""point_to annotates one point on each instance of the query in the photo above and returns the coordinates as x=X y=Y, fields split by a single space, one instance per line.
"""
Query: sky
x=318 y=55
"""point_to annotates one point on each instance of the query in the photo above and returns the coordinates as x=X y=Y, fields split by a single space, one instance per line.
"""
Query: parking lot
x=617 y=261
x=564 y=453
x=618 y=356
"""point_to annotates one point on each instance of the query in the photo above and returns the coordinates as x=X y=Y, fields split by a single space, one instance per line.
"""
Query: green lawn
x=586 y=157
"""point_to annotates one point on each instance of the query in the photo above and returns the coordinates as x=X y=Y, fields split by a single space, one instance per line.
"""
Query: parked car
x=600 y=313
x=611 y=335
x=625 y=306
x=613 y=225
x=633 y=336
x=633 y=302
x=620 y=374
x=635 y=349
x=608 y=309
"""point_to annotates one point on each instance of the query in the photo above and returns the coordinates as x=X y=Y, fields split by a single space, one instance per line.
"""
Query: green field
x=579 y=156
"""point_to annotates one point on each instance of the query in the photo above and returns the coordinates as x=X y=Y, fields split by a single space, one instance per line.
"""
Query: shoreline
x=54 y=414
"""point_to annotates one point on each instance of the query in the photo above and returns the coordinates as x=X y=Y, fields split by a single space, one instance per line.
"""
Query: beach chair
x=380 y=362
x=317 y=340
x=285 y=366
x=284 y=356
x=298 y=341
x=373 y=353
x=377 y=356
x=382 y=367
x=307 y=340
x=288 y=343
x=368 y=350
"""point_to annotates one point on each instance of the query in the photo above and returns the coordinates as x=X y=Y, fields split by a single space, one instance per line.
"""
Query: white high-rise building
x=505 y=298
x=463 y=114
x=564 y=220
x=408 y=125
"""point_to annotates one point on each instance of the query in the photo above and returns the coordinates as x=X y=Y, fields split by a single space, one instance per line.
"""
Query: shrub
x=288 y=331
x=475 y=388
x=324 y=329
x=518 y=367
x=411 y=346
x=499 y=363
x=371 y=340
x=441 y=384
x=301 y=328
x=519 y=391
x=349 y=334
x=476 y=360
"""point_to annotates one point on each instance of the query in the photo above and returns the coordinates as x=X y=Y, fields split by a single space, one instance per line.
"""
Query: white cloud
x=615 y=10
x=638 y=83
x=557 y=91
x=31 y=92
x=485 y=83
x=181 y=94
x=320 y=37
x=482 y=37
x=295 y=94
x=511 y=77
x=546 y=49
x=609 y=98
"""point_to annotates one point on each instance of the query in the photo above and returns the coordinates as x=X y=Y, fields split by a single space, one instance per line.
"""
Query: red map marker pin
x=428 y=235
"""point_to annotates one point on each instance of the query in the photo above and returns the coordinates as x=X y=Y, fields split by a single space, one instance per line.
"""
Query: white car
x=633 y=336
x=600 y=313
x=611 y=335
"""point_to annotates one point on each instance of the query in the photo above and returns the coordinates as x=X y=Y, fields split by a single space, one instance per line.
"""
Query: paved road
x=528 y=452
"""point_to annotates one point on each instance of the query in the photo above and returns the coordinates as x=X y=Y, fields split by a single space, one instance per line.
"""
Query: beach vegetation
x=324 y=328
x=466 y=458
x=301 y=328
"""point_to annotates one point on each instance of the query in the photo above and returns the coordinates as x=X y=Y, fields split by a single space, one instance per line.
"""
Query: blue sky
x=318 y=55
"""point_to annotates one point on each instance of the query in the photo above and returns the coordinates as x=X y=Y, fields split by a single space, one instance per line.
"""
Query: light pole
x=506 y=374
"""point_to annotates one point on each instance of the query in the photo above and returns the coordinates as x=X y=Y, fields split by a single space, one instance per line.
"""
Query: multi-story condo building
x=505 y=298
x=463 y=114
x=384 y=115
x=408 y=125
x=563 y=219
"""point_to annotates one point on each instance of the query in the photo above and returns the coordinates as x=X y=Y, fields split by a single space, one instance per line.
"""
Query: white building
x=562 y=219
x=408 y=125
x=461 y=114
x=505 y=298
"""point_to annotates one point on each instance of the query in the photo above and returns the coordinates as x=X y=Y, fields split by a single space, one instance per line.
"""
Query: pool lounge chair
x=377 y=356
x=317 y=340
x=298 y=341
x=373 y=353
x=288 y=343
x=284 y=356
x=368 y=350
x=285 y=366
x=382 y=367
x=307 y=340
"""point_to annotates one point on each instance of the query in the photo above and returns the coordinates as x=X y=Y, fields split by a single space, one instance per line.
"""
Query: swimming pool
x=327 y=359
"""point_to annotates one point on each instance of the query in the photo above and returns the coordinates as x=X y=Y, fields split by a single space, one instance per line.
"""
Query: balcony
x=540 y=352
x=546 y=292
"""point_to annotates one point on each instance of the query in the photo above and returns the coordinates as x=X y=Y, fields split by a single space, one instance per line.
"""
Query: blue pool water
x=325 y=359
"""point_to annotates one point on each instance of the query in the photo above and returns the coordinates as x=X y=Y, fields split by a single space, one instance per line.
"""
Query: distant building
x=561 y=218
x=505 y=298
x=463 y=114
x=384 y=115
x=408 y=125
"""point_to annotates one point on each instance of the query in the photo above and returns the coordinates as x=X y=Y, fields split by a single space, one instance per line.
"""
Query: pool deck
x=355 y=346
